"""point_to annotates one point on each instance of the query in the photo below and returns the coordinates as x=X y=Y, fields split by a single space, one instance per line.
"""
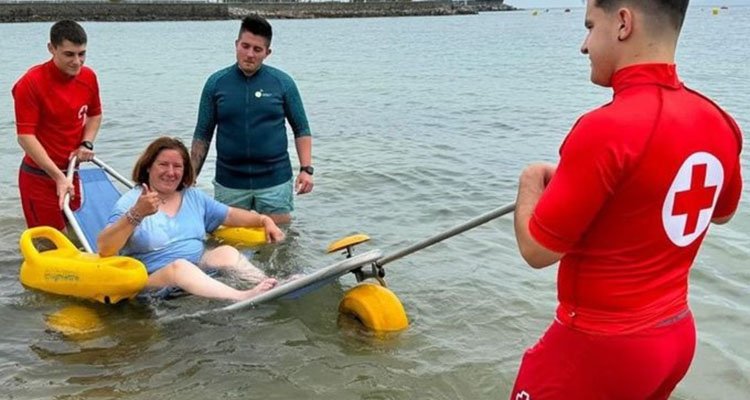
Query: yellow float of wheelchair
x=67 y=271
x=244 y=237
x=375 y=306
x=371 y=303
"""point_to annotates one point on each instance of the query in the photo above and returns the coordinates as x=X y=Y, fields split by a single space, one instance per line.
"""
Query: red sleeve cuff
x=546 y=238
x=25 y=128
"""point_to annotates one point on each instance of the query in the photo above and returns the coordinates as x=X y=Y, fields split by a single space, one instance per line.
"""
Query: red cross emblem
x=688 y=206
x=698 y=197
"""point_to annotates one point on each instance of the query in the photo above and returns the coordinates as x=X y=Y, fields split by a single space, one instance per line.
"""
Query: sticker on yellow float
x=68 y=271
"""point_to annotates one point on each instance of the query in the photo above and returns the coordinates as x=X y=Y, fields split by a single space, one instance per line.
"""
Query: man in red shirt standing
x=624 y=211
x=58 y=113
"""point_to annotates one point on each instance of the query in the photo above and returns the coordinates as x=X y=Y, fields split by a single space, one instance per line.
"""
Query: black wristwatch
x=87 y=145
x=307 y=168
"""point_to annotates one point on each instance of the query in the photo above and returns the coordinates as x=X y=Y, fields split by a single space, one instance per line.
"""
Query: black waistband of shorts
x=37 y=171
x=675 y=318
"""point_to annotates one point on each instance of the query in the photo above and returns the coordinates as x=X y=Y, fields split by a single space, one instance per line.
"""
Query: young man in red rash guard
x=58 y=113
x=624 y=211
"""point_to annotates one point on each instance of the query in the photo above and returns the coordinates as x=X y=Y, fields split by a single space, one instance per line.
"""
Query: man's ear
x=625 y=17
x=50 y=47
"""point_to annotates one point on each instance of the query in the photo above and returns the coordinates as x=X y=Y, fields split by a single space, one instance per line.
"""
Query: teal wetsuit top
x=250 y=112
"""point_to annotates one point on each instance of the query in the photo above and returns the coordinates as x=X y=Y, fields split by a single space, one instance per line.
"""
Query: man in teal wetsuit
x=249 y=102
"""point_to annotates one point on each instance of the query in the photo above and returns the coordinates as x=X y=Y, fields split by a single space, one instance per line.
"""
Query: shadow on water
x=97 y=334
x=359 y=339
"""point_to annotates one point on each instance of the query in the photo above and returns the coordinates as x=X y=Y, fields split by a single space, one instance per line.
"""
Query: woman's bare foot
x=262 y=287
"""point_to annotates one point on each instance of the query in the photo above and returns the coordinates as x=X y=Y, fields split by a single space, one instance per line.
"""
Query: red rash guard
x=638 y=182
x=54 y=106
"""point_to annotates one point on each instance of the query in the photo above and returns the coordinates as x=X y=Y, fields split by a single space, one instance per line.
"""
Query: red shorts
x=569 y=364
x=39 y=199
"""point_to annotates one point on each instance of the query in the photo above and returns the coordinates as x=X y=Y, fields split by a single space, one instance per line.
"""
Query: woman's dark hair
x=146 y=160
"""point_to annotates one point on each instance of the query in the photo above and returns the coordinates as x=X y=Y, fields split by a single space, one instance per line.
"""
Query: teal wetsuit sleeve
x=294 y=110
x=206 y=125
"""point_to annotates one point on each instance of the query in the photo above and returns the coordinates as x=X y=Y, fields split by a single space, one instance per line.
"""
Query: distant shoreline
x=115 y=10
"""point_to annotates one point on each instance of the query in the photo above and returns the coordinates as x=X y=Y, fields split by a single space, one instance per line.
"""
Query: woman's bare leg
x=192 y=279
x=229 y=258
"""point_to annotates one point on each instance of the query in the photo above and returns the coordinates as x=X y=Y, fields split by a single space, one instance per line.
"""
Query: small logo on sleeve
x=692 y=197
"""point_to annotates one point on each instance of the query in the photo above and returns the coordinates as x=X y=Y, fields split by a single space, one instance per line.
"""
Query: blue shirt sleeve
x=215 y=212
x=124 y=203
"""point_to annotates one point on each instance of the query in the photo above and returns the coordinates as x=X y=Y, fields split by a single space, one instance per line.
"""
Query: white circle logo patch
x=692 y=197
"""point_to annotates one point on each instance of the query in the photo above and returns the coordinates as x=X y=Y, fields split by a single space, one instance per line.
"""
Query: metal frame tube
x=473 y=223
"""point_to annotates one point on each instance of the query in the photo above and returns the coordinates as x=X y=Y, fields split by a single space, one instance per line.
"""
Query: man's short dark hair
x=672 y=11
x=257 y=25
x=67 y=30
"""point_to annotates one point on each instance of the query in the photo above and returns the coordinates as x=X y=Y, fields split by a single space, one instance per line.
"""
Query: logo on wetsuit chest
x=260 y=93
x=692 y=197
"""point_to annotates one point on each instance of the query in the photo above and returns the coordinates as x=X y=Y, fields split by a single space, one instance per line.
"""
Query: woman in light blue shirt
x=163 y=222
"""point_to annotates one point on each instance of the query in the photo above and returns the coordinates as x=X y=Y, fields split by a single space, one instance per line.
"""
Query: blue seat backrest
x=99 y=195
